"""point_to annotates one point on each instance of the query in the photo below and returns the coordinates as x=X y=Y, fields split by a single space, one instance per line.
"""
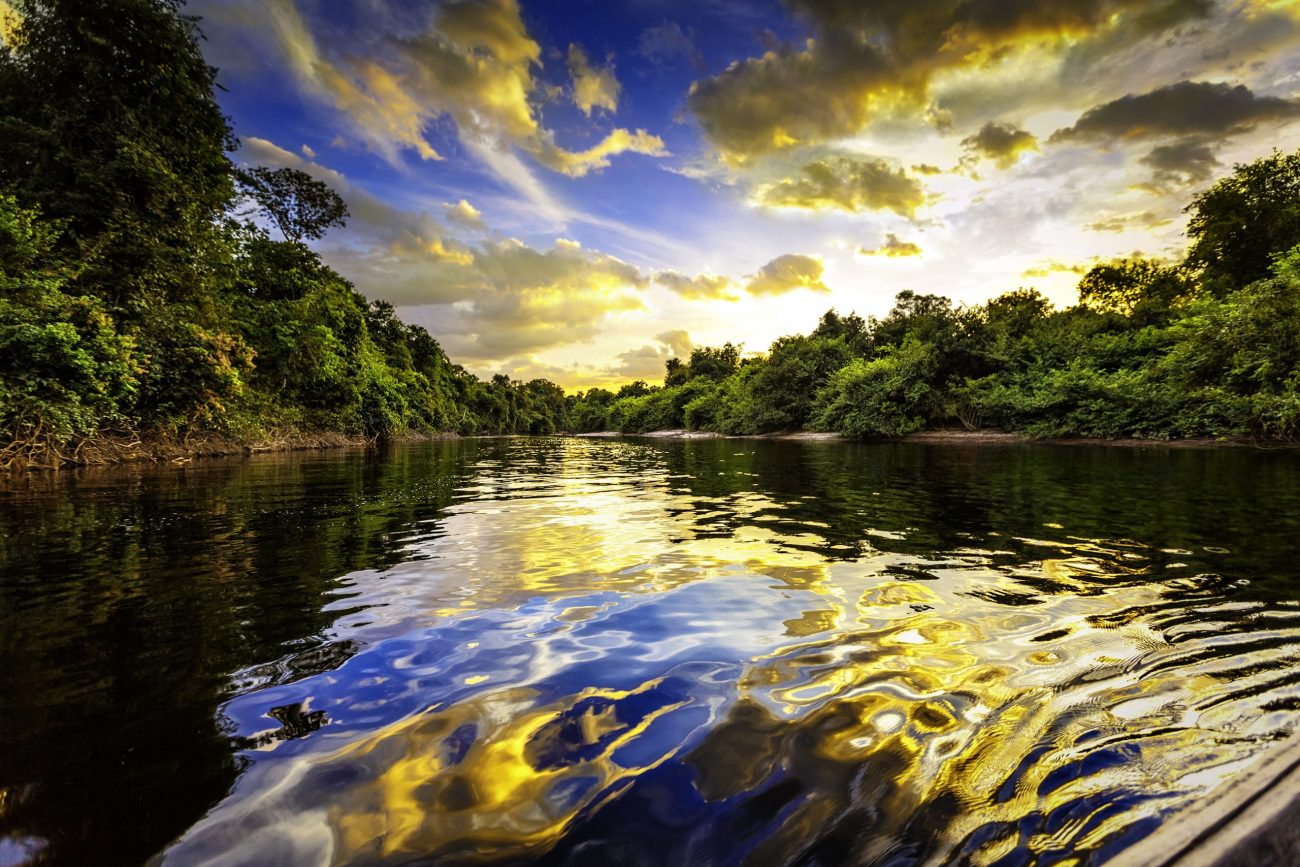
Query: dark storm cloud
x=867 y=59
x=1181 y=164
x=1187 y=108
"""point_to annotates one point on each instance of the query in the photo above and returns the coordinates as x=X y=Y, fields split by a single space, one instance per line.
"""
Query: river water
x=630 y=651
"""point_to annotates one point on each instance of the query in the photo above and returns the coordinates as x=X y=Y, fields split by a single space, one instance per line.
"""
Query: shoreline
x=110 y=451
x=963 y=438
x=105 y=451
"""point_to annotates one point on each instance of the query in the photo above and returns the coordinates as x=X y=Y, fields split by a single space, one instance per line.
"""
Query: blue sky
x=579 y=190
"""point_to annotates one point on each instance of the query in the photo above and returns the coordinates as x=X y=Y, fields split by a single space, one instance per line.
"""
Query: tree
x=1238 y=224
x=716 y=363
x=109 y=126
x=1139 y=288
x=675 y=372
x=299 y=205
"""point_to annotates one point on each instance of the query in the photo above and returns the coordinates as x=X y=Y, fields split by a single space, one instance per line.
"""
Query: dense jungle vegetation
x=138 y=298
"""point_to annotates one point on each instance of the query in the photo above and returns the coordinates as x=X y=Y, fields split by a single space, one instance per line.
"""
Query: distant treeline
x=1206 y=347
x=138 y=298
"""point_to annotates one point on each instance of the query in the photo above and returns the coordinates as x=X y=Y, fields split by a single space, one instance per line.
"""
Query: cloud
x=575 y=164
x=504 y=297
x=593 y=86
x=893 y=247
x=1182 y=109
x=677 y=340
x=382 y=114
x=466 y=215
x=786 y=274
x=1181 y=164
x=846 y=183
x=702 y=287
x=647 y=362
x=475 y=64
x=872 y=61
x=1000 y=142
x=668 y=45
x=1124 y=222
x=526 y=300
x=788 y=98
x=1047 y=269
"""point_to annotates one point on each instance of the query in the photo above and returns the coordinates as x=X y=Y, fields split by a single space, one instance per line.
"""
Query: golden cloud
x=846 y=183
x=1124 y=222
x=1053 y=267
x=475 y=65
x=786 y=274
x=893 y=247
x=593 y=87
x=872 y=60
x=1000 y=142
x=465 y=214
x=787 y=98
x=531 y=299
x=647 y=362
x=702 y=287
x=575 y=164
x=382 y=114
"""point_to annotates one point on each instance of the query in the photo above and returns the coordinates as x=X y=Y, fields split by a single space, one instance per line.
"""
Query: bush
x=888 y=396
x=65 y=371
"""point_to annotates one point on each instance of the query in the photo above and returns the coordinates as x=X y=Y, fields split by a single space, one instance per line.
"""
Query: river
x=628 y=651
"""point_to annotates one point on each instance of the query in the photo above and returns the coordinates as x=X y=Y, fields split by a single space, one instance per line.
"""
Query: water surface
x=637 y=652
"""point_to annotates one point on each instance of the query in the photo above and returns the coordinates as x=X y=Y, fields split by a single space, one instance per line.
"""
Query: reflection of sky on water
x=617 y=652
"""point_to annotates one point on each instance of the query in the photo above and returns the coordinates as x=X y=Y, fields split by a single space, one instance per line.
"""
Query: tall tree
x=109 y=125
x=298 y=204
x=1240 y=223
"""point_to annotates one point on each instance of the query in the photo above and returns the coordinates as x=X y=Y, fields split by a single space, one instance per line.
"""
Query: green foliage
x=1241 y=222
x=64 y=369
x=130 y=301
x=889 y=395
x=108 y=124
x=298 y=204
x=782 y=390
x=1137 y=288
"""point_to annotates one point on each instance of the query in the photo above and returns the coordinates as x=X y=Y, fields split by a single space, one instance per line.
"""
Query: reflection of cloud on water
x=571 y=643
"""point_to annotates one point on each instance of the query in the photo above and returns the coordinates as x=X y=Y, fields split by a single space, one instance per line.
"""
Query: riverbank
x=964 y=437
x=122 y=449
x=107 y=450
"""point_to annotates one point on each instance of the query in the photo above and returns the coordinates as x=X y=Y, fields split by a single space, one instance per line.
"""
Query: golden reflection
x=968 y=690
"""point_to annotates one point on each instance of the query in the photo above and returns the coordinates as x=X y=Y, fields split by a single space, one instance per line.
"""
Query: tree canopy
x=300 y=206
x=138 y=299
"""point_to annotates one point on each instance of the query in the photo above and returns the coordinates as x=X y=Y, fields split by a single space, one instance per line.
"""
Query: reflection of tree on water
x=296 y=722
x=131 y=595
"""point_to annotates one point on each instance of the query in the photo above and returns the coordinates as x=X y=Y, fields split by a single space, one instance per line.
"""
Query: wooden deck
x=1254 y=821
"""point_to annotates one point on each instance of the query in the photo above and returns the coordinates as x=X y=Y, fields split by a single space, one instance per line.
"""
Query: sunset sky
x=579 y=190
